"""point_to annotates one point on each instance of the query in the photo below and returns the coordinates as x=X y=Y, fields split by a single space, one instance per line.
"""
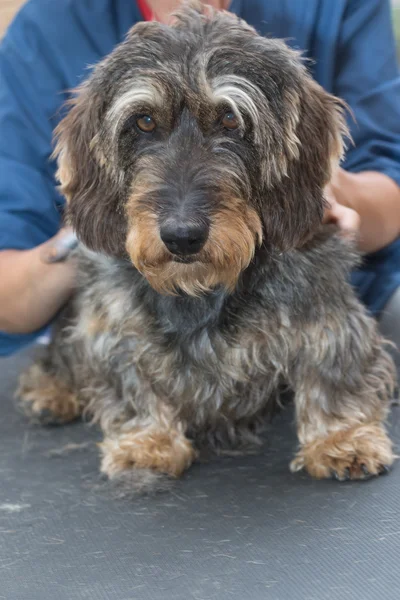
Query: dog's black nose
x=184 y=239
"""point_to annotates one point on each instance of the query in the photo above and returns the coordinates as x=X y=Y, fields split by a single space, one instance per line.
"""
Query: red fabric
x=146 y=11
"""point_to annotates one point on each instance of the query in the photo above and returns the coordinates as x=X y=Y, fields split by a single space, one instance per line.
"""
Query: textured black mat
x=233 y=529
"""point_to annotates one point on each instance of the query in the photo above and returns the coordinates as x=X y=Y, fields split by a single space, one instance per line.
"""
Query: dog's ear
x=313 y=131
x=87 y=182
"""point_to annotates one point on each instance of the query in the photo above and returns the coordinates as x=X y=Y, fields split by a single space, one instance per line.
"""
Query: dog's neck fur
x=184 y=315
x=276 y=281
x=181 y=314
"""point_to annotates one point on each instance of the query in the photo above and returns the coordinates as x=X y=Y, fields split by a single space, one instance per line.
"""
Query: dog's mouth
x=184 y=260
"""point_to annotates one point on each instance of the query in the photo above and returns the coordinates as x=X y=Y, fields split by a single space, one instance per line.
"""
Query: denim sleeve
x=367 y=77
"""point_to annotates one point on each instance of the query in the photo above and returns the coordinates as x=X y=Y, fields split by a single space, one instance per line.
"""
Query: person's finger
x=347 y=219
x=59 y=248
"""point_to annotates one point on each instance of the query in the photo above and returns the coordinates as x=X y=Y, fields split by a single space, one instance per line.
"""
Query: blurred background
x=7 y=10
x=396 y=20
x=9 y=7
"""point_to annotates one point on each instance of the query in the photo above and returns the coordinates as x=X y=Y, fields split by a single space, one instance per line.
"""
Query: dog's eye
x=146 y=124
x=230 y=121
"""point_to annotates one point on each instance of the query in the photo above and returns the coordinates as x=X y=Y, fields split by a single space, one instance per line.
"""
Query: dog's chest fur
x=225 y=352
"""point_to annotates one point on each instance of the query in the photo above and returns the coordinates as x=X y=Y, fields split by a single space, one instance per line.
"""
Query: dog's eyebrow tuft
x=140 y=93
x=242 y=95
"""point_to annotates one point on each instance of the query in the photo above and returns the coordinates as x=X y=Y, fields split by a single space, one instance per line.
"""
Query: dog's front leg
x=343 y=380
x=150 y=444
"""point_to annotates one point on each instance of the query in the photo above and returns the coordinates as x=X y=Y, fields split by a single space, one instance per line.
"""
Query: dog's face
x=191 y=145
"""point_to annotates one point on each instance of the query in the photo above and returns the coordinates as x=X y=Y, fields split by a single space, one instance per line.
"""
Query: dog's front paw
x=167 y=452
x=355 y=453
x=46 y=400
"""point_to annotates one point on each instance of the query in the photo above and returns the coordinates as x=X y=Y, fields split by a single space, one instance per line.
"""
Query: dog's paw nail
x=343 y=477
x=296 y=465
x=384 y=470
x=366 y=473
x=45 y=414
x=364 y=470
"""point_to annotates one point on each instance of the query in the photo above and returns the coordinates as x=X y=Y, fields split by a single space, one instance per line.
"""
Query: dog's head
x=191 y=145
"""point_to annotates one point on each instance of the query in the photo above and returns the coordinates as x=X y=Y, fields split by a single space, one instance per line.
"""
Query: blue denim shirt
x=51 y=45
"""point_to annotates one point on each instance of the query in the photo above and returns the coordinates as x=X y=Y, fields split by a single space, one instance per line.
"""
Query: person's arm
x=33 y=289
x=368 y=79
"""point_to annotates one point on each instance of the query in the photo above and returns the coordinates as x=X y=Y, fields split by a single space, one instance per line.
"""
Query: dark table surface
x=232 y=529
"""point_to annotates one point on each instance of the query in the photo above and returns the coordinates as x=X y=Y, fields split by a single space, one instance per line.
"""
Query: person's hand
x=338 y=211
x=60 y=246
x=36 y=283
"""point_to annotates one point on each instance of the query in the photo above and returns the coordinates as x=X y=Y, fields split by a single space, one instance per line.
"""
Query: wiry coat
x=218 y=360
x=167 y=354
